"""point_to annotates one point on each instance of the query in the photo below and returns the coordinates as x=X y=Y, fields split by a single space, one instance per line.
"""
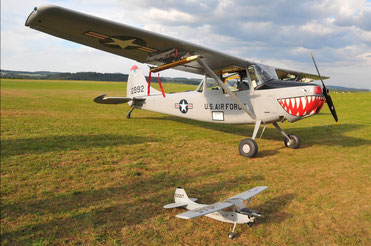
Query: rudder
x=137 y=84
x=181 y=196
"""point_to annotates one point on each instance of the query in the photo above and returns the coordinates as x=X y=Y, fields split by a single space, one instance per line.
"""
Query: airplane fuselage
x=226 y=215
x=269 y=105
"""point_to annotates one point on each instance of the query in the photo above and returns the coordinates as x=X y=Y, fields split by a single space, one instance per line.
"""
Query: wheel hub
x=246 y=148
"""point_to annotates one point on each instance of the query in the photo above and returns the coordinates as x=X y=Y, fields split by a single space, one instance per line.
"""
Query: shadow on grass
x=11 y=147
x=272 y=209
x=328 y=135
x=94 y=212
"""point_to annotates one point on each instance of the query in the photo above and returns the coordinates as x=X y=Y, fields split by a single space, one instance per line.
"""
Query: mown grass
x=75 y=172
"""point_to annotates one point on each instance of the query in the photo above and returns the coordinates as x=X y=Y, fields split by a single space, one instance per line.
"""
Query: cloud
x=280 y=33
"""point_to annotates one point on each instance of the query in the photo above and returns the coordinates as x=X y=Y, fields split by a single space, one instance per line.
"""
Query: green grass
x=76 y=172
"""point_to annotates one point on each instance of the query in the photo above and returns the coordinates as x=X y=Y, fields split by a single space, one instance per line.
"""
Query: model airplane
x=231 y=210
x=234 y=90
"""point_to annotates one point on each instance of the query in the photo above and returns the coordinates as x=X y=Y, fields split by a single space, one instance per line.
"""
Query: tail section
x=137 y=84
x=181 y=196
x=181 y=199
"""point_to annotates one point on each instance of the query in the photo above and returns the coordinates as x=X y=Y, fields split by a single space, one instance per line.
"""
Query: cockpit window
x=259 y=75
x=232 y=81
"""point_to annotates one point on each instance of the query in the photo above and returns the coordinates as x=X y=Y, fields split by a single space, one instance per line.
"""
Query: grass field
x=76 y=172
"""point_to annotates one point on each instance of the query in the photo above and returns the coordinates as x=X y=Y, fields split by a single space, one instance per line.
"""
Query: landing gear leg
x=248 y=147
x=291 y=140
x=129 y=113
x=231 y=234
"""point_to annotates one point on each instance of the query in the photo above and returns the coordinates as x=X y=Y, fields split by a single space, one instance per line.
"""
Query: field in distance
x=76 y=172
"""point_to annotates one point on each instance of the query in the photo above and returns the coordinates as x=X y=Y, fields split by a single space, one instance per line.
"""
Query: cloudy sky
x=280 y=33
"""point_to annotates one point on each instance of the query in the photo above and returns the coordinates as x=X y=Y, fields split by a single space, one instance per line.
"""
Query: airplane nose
x=318 y=90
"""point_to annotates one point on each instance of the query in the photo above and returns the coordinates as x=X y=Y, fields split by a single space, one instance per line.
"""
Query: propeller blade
x=332 y=108
x=323 y=84
x=325 y=93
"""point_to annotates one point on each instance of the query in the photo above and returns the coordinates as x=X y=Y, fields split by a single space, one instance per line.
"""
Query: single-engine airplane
x=231 y=210
x=233 y=91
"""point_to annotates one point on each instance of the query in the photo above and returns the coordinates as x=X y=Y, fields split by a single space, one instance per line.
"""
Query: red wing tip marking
x=134 y=68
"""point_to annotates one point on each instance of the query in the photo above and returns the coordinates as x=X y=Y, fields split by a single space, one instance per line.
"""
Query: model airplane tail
x=137 y=84
x=181 y=196
x=181 y=199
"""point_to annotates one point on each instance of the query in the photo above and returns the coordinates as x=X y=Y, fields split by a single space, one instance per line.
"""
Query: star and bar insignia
x=121 y=42
x=183 y=106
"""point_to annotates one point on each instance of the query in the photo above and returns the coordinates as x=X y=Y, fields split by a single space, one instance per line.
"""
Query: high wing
x=248 y=194
x=284 y=74
x=134 y=43
x=204 y=210
x=123 y=40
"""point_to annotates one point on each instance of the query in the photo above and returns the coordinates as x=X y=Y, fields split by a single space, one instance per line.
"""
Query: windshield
x=259 y=74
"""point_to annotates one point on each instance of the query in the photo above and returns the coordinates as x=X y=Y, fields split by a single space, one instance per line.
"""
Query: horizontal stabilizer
x=111 y=100
x=204 y=210
x=179 y=204
x=176 y=204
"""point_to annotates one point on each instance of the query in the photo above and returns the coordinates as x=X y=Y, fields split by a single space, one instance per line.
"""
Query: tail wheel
x=248 y=148
x=294 y=141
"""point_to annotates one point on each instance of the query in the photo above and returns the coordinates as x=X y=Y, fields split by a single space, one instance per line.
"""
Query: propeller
x=326 y=94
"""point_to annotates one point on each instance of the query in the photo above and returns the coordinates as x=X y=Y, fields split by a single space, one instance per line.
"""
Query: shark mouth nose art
x=302 y=106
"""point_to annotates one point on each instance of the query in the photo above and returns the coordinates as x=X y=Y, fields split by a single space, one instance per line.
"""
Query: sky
x=280 y=33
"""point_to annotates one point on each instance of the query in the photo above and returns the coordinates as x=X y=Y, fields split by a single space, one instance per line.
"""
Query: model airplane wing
x=248 y=194
x=204 y=210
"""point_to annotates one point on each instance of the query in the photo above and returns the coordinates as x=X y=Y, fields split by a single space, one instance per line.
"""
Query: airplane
x=231 y=210
x=233 y=91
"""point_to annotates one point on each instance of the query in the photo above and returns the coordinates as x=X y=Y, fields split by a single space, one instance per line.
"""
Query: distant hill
x=345 y=89
x=91 y=76
x=119 y=77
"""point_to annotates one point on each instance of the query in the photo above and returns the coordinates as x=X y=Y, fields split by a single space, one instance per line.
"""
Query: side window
x=211 y=84
x=235 y=83
x=200 y=87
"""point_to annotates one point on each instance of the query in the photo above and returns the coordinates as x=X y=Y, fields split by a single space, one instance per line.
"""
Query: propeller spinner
x=326 y=94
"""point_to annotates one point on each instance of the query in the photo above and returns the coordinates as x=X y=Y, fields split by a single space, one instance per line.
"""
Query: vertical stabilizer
x=137 y=84
x=181 y=196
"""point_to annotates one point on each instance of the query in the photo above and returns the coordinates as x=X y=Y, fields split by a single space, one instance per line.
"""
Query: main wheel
x=248 y=148
x=230 y=235
x=294 y=141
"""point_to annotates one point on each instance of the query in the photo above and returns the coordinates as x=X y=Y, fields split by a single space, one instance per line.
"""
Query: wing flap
x=204 y=210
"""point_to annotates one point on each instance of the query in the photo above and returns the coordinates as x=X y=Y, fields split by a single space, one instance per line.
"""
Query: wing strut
x=226 y=89
x=159 y=82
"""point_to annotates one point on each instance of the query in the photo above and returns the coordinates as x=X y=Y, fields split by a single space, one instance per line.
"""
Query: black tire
x=248 y=148
x=230 y=235
x=294 y=143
